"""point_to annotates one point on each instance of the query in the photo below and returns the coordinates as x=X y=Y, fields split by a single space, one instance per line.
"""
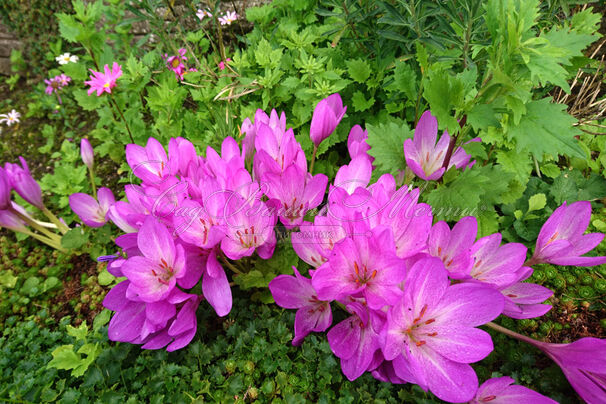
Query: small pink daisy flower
x=104 y=82
x=56 y=83
x=175 y=63
x=203 y=13
x=228 y=18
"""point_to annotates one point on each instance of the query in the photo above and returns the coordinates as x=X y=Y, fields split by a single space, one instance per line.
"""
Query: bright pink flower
x=5 y=190
x=91 y=212
x=154 y=275
x=175 y=63
x=561 y=240
x=327 y=115
x=426 y=158
x=296 y=292
x=365 y=265
x=223 y=63
x=355 y=340
x=453 y=246
x=499 y=390
x=583 y=363
x=356 y=142
x=431 y=336
x=87 y=153
x=104 y=82
x=23 y=183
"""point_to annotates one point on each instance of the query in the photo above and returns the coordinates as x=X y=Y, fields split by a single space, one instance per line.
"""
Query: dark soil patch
x=72 y=289
x=583 y=322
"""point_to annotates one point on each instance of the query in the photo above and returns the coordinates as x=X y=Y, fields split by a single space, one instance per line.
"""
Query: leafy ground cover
x=507 y=72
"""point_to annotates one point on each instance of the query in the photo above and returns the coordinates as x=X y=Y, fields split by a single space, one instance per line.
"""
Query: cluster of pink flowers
x=415 y=292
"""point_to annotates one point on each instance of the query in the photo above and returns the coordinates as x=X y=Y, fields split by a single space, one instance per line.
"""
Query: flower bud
x=5 y=190
x=24 y=184
x=86 y=151
x=326 y=117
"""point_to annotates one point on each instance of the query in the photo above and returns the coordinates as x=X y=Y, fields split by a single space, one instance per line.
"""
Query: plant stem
x=111 y=97
x=91 y=174
x=36 y=226
x=62 y=227
x=230 y=265
x=51 y=243
x=313 y=160
x=510 y=333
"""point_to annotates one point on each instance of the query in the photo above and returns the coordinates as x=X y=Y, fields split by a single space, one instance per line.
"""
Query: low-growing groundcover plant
x=415 y=291
x=408 y=248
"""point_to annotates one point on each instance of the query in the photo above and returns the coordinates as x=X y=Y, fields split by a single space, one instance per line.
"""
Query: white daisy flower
x=66 y=58
x=10 y=118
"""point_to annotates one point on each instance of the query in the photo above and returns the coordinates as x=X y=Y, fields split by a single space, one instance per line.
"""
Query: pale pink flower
x=228 y=18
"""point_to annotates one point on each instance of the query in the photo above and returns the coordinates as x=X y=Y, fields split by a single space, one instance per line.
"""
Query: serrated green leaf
x=65 y=358
x=387 y=145
x=88 y=102
x=79 y=333
x=358 y=69
x=360 y=103
x=546 y=128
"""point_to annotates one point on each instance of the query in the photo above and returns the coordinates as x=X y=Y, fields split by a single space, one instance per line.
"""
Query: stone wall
x=8 y=42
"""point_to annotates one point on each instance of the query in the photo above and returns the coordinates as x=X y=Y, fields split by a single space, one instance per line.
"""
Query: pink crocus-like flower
x=223 y=63
x=561 y=240
x=430 y=334
x=23 y=183
x=87 y=153
x=501 y=390
x=453 y=246
x=356 y=339
x=91 y=212
x=327 y=115
x=228 y=18
x=426 y=158
x=356 y=142
x=365 y=265
x=104 y=82
x=203 y=13
x=10 y=118
x=154 y=275
x=583 y=363
x=175 y=63
x=5 y=189
x=296 y=292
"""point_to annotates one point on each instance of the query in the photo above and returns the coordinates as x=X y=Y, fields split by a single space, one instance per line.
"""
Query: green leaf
x=536 y=202
x=88 y=102
x=519 y=164
x=79 y=333
x=74 y=239
x=386 y=142
x=482 y=116
x=546 y=129
x=551 y=170
x=358 y=69
x=101 y=319
x=404 y=80
x=105 y=278
x=64 y=357
x=7 y=279
x=360 y=103
x=444 y=92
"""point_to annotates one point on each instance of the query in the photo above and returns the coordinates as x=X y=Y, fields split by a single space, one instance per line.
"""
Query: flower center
x=364 y=275
x=248 y=238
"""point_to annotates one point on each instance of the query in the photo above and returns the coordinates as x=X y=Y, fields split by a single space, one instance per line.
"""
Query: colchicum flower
x=501 y=390
x=327 y=115
x=426 y=158
x=561 y=240
x=430 y=334
x=91 y=212
x=66 y=58
x=10 y=118
x=87 y=153
x=104 y=82
x=23 y=183
x=5 y=190
x=228 y=18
